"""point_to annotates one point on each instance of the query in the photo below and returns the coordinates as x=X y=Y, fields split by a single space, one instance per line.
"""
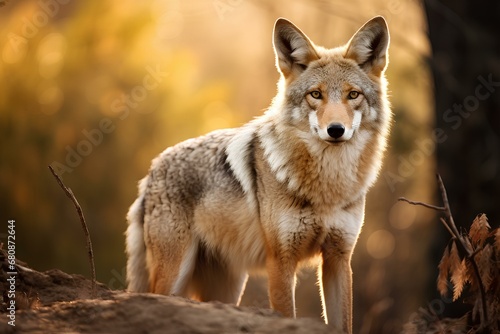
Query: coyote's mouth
x=336 y=142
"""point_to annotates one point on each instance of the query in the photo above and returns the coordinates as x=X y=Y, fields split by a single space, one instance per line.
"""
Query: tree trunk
x=466 y=67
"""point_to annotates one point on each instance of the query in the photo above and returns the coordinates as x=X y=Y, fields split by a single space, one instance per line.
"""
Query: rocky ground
x=56 y=302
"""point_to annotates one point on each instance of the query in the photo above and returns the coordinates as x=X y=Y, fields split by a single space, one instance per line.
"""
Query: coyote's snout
x=284 y=189
x=336 y=122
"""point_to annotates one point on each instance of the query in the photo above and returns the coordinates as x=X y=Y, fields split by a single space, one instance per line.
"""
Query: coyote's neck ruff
x=287 y=187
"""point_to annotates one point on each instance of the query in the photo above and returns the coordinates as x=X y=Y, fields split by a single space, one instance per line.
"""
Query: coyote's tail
x=137 y=271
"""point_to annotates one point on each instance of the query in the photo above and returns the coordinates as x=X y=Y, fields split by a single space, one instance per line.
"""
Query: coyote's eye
x=316 y=94
x=353 y=95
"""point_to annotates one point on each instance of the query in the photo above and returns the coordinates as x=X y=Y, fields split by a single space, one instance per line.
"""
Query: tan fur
x=277 y=193
x=334 y=113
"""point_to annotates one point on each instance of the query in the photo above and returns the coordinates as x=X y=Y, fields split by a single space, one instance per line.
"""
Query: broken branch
x=430 y=206
x=90 y=252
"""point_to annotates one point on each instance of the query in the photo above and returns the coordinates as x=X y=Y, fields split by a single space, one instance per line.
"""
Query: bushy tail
x=137 y=271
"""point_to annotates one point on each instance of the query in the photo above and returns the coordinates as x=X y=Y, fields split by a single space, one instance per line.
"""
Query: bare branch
x=447 y=210
x=465 y=246
x=430 y=206
x=445 y=223
x=449 y=223
x=90 y=252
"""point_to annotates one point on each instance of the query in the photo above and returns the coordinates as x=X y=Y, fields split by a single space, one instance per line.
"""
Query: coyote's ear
x=294 y=51
x=368 y=46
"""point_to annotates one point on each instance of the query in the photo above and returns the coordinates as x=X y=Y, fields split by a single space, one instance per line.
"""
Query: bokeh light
x=381 y=244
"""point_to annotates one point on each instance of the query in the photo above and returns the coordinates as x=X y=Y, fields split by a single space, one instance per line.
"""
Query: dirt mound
x=55 y=302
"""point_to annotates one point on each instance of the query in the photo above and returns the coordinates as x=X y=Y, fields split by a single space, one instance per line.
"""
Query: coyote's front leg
x=281 y=272
x=335 y=278
x=334 y=273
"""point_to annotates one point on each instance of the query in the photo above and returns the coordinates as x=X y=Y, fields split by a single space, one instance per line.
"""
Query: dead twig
x=445 y=224
x=449 y=223
x=447 y=210
x=430 y=206
x=468 y=251
x=90 y=252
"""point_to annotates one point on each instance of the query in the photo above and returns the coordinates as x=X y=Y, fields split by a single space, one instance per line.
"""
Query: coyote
x=286 y=189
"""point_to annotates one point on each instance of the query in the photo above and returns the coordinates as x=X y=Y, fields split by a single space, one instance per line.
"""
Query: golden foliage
x=479 y=230
x=444 y=269
x=451 y=265
x=485 y=265
x=477 y=265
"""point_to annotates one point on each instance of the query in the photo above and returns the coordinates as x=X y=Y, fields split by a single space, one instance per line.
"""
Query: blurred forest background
x=98 y=88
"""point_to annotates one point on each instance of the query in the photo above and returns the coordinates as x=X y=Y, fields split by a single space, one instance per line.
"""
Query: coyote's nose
x=335 y=130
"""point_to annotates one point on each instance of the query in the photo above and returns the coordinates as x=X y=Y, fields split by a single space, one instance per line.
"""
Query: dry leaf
x=458 y=272
x=479 y=230
x=484 y=264
x=459 y=278
x=444 y=269
x=454 y=257
x=471 y=278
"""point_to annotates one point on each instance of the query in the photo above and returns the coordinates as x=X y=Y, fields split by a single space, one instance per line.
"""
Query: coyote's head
x=333 y=91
